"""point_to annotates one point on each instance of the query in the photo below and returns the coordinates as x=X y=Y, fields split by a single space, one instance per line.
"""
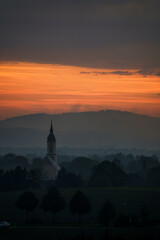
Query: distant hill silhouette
x=86 y=129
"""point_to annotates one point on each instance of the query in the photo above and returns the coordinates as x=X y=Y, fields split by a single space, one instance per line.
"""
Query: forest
x=115 y=170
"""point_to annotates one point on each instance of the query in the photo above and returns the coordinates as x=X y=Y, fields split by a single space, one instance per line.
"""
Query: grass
x=83 y=233
x=125 y=200
x=49 y=233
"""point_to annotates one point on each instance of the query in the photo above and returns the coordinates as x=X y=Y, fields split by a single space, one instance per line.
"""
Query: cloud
x=143 y=72
x=126 y=73
x=122 y=73
x=151 y=72
x=94 y=33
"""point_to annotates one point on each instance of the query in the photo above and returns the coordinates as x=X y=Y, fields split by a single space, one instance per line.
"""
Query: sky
x=68 y=56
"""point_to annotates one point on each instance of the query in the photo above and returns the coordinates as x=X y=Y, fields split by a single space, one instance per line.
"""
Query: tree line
x=80 y=172
x=53 y=202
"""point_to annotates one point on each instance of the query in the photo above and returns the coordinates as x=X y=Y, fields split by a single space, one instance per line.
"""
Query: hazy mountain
x=86 y=129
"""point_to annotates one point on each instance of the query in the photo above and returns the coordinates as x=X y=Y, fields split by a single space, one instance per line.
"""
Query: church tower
x=50 y=161
x=51 y=144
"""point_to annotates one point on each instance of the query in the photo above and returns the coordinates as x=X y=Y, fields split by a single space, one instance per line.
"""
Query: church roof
x=54 y=163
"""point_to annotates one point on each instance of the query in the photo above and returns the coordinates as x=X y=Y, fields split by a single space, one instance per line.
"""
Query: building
x=50 y=161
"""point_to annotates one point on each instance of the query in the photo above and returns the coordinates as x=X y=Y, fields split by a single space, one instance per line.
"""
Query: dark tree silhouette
x=11 y=161
x=13 y=180
x=68 y=179
x=1 y=172
x=79 y=204
x=106 y=214
x=107 y=174
x=27 y=201
x=123 y=221
x=53 y=202
x=153 y=177
x=35 y=176
x=82 y=166
x=145 y=213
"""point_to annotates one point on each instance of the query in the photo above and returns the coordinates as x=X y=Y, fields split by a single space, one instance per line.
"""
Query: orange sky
x=31 y=88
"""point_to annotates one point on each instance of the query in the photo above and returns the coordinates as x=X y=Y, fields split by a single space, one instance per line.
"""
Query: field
x=82 y=233
x=126 y=201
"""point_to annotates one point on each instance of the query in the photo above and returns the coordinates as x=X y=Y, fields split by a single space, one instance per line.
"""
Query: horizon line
x=73 y=112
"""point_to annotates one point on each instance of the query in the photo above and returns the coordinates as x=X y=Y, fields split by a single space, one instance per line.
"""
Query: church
x=51 y=166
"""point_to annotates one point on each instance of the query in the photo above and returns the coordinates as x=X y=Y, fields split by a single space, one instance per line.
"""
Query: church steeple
x=51 y=143
x=51 y=128
x=51 y=166
x=51 y=137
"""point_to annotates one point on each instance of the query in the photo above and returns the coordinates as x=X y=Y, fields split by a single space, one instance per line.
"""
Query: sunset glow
x=31 y=88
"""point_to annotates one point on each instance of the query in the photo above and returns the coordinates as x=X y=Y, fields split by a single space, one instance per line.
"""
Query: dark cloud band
x=120 y=34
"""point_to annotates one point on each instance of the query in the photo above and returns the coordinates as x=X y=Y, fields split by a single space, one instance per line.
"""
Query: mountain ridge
x=83 y=129
x=66 y=113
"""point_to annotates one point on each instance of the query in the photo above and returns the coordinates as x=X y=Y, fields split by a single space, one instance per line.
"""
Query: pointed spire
x=51 y=137
x=51 y=128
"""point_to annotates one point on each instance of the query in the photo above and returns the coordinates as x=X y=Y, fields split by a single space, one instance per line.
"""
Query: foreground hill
x=86 y=129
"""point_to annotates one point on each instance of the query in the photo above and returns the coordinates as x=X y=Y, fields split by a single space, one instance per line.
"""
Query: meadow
x=127 y=201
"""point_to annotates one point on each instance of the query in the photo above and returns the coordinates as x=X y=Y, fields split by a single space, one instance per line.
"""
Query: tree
x=11 y=161
x=145 y=213
x=1 y=172
x=14 y=179
x=153 y=177
x=35 y=176
x=38 y=163
x=53 y=202
x=79 y=204
x=82 y=166
x=27 y=201
x=123 y=221
x=107 y=213
x=107 y=174
x=68 y=179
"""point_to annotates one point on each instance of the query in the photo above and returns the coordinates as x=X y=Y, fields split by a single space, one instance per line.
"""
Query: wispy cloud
x=126 y=73
x=146 y=72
